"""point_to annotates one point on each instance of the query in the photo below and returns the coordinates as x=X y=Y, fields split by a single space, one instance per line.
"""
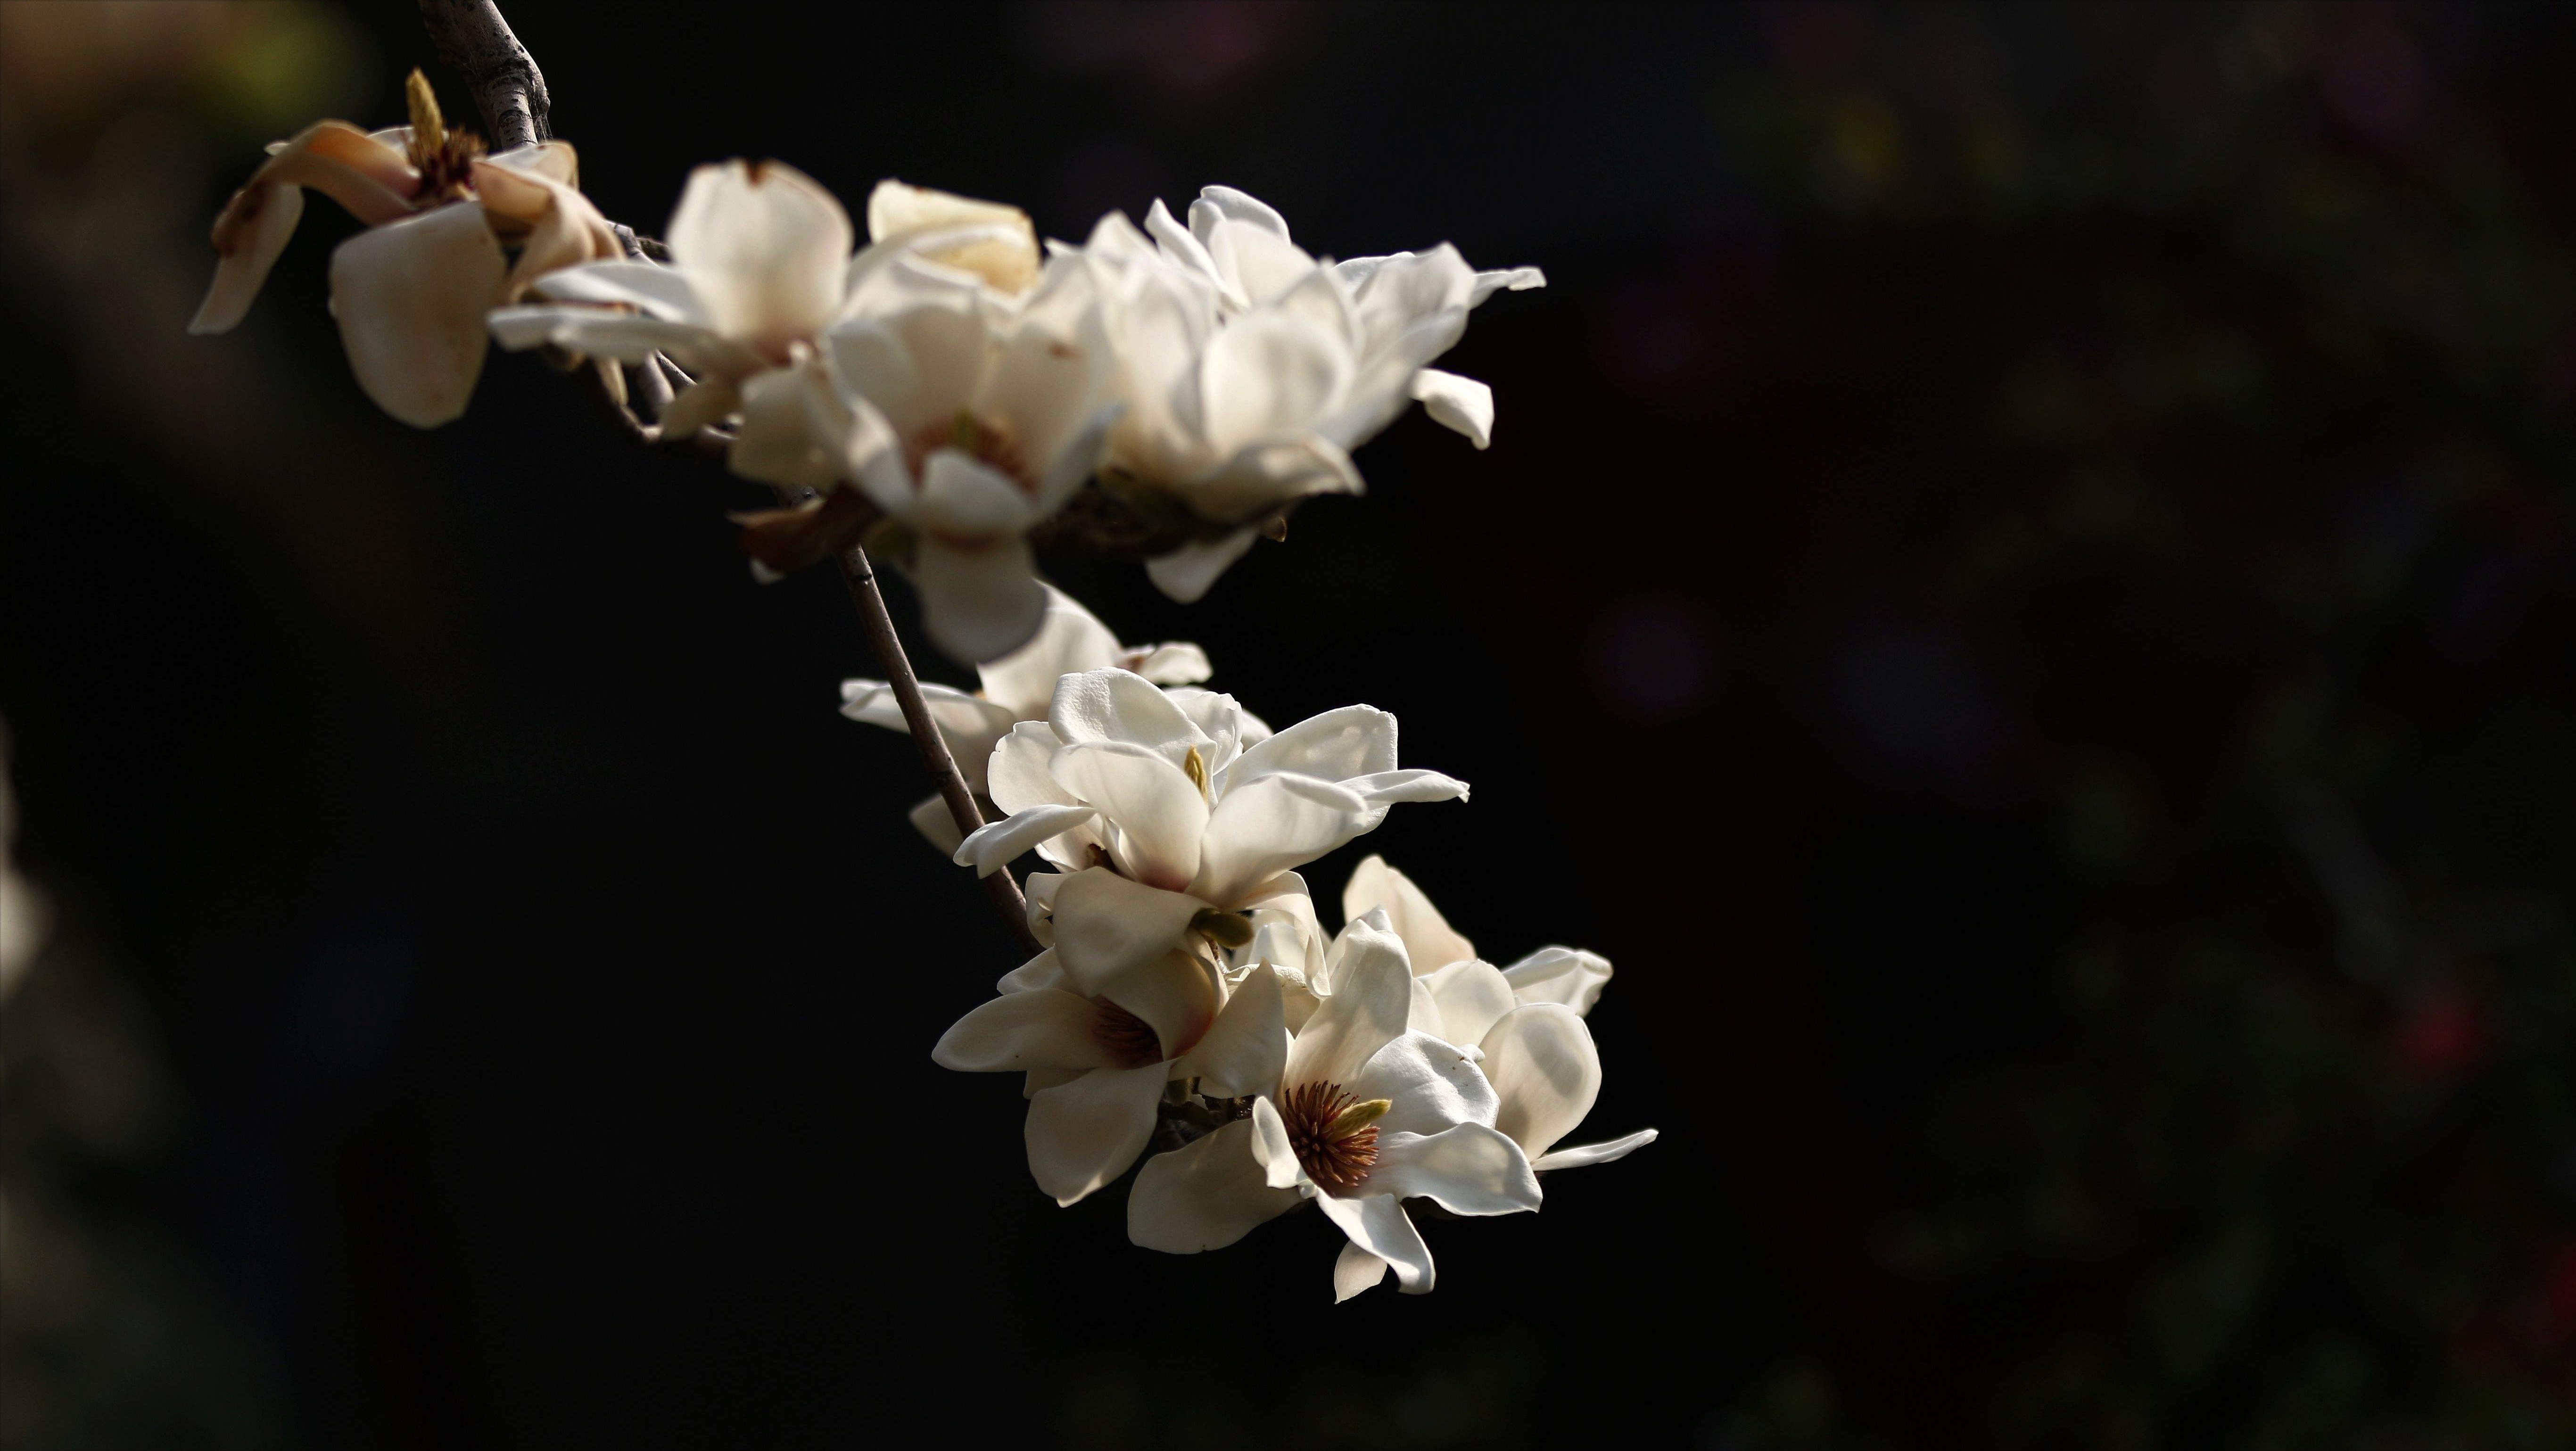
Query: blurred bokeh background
x=2023 y=593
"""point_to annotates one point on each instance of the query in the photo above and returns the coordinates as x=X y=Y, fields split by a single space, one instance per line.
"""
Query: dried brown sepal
x=784 y=541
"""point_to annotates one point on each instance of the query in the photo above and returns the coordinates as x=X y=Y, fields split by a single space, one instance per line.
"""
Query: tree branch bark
x=476 y=42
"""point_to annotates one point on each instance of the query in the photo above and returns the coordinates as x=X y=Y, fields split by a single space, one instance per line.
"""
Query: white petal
x=1545 y=1071
x=628 y=337
x=1077 y=458
x=1276 y=824
x=255 y=243
x=1178 y=663
x=1430 y=1082
x=701 y=405
x=1018 y=772
x=1429 y=940
x=930 y=816
x=1004 y=252
x=1175 y=995
x=1567 y=975
x=1204 y=1195
x=1041 y=971
x=1470 y=1169
x=1388 y=788
x=1269 y=377
x=1021 y=1030
x=1472 y=995
x=1378 y=1224
x=1271 y=1147
x=1336 y=745
x=996 y=844
x=965 y=721
x=649 y=287
x=1256 y=264
x=1457 y=403
x=1584 y=1155
x=980 y=601
x=1355 y=1270
x=1186 y=573
x=410 y=298
x=1070 y=639
x=1106 y=924
x=1085 y=1133
x=1506 y=279
x=778 y=443
x=766 y=247
x=1159 y=812
x=1225 y=203
x=1246 y=1049
x=1372 y=996
x=1120 y=705
x=1263 y=475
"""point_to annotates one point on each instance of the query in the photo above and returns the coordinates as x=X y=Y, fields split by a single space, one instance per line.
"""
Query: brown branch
x=477 y=44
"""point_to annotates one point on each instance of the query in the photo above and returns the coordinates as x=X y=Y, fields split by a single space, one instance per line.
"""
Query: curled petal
x=1355 y=1270
x=1429 y=941
x=1567 y=975
x=1186 y=573
x=1372 y=997
x=1582 y=1155
x=1274 y=825
x=1462 y=405
x=1470 y=1169
x=1247 y=1048
x=1545 y=1071
x=996 y=844
x=266 y=217
x=1205 y=1195
x=1378 y=1225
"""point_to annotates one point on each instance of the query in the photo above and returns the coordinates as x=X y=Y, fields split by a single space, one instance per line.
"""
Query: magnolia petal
x=1470 y=1169
x=1077 y=458
x=766 y=246
x=1272 y=1149
x=1584 y=1155
x=1472 y=996
x=1424 y=1014
x=1567 y=975
x=1275 y=824
x=1186 y=573
x=648 y=287
x=1227 y=204
x=1178 y=663
x=1429 y=940
x=1039 y=1080
x=1120 y=705
x=1041 y=971
x=1377 y=1223
x=777 y=443
x=960 y=717
x=1085 y=1133
x=1255 y=264
x=1505 y=279
x=930 y=816
x=264 y=218
x=1545 y=1071
x=701 y=405
x=980 y=601
x=1204 y=1195
x=996 y=844
x=1022 y=1030
x=1018 y=773
x=1070 y=639
x=1268 y=377
x=1372 y=996
x=1387 y=788
x=1461 y=404
x=1176 y=995
x=1260 y=476
x=1159 y=812
x=1355 y=1270
x=1106 y=924
x=410 y=298
x=1354 y=740
x=994 y=242
x=1430 y=1081
x=1244 y=1052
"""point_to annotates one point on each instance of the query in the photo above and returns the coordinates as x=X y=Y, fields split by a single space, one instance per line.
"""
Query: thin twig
x=476 y=42
x=508 y=88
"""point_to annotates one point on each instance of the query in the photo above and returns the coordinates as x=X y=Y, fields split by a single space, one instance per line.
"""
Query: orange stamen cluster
x=1335 y=1155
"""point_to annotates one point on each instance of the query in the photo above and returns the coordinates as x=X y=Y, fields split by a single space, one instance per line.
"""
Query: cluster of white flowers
x=945 y=392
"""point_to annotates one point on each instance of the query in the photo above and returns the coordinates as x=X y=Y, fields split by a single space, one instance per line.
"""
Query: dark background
x=2022 y=594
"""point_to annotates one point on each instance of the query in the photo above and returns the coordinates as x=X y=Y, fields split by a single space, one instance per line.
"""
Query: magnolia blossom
x=1098 y=1051
x=1017 y=687
x=411 y=291
x=1253 y=368
x=1165 y=814
x=1359 y=1112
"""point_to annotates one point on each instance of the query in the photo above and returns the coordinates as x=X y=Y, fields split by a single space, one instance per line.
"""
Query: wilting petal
x=1583 y=1155
x=1106 y=924
x=1070 y=639
x=1567 y=975
x=1276 y=824
x=1021 y=1030
x=1460 y=404
x=1429 y=1080
x=263 y=217
x=997 y=242
x=1120 y=705
x=1372 y=996
x=1186 y=573
x=1336 y=745
x=1472 y=995
x=1470 y=1169
x=977 y=602
x=1378 y=1224
x=410 y=298
x=996 y=844
x=766 y=247
x=1355 y=1270
x=1248 y=1046
x=1160 y=814
x=1204 y=1195
x=1545 y=1071
x=1429 y=940
x=1085 y=1133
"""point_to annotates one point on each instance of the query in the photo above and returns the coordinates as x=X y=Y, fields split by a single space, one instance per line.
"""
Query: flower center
x=988 y=444
x=444 y=158
x=1130 y=1039
x=1334 y=1136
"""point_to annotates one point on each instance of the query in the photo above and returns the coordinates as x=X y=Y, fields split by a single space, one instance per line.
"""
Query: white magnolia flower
x=1253 y=368
x=1365 y=1113
x=968 y=418
x=410 y=292
x=1017 y=687
x=1098 y=1051
x=1165 y=813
